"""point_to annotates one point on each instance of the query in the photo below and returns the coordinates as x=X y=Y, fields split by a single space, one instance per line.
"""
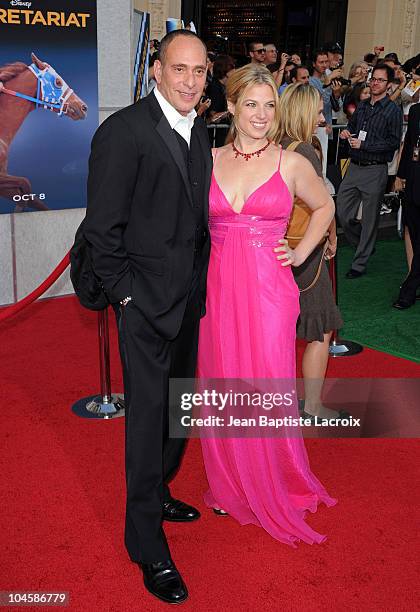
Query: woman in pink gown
x=249 y=330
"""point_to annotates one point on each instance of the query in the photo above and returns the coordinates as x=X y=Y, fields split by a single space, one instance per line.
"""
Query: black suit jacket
x=139 y=220
x=408 y=169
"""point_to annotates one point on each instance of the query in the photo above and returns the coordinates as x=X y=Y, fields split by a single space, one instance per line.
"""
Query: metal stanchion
x=107 y=405
x=214 y=127
x=339 y=347
x=213 y=140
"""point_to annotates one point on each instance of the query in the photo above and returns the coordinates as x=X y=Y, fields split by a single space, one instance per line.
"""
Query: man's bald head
x=169 y=38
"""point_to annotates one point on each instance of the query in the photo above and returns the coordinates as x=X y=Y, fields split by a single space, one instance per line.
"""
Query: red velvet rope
x=10 y=311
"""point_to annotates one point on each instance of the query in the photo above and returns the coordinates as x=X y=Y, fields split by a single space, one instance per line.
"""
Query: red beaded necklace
x=248 y=156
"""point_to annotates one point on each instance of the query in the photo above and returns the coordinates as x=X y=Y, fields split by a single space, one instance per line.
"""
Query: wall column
x=395 y=24
x=159 y=11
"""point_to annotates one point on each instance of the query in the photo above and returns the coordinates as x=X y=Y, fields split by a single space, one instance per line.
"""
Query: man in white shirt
x=147 y=226
x=323 y=84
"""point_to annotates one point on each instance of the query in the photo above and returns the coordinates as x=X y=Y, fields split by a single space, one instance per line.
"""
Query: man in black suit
x=408 y=177
x=147 y=224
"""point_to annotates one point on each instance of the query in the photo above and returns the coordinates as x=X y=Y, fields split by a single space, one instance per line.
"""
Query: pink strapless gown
x=249 y=331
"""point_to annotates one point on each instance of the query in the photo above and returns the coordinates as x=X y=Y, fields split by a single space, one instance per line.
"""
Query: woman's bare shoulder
x=291 y=157
x=220 y=150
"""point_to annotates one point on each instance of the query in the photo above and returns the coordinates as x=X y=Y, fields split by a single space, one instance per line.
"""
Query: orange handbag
x=300 y=217
x=298 y=224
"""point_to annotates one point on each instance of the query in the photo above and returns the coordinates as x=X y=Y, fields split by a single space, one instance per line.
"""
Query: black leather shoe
x=178 y=512
x=354 y=273
x=163 y=580
x=402 y=304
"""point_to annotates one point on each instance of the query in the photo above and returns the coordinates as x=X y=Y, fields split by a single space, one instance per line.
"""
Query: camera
x=344 y=82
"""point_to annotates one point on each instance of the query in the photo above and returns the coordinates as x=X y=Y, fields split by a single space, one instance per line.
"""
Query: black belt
x=368 y=163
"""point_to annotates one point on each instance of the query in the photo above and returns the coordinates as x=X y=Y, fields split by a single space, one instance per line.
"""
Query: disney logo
x=19 y=3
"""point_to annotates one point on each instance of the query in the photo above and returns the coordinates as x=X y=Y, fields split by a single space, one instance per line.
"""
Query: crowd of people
x=372 y=101
x=214 y=260
x=342 y=93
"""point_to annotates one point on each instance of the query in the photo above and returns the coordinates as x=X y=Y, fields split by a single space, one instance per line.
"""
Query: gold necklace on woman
x=248 y=156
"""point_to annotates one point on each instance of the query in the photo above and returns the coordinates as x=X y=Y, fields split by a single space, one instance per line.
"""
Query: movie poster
x=48 y=102
x=141 y=56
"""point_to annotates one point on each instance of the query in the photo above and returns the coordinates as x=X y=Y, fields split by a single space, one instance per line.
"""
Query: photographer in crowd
x=358 y=73
x=399 y=81
x=329 y=86
x=335 y=57
x=282 y=75
x=373 y=58
x=411 y=69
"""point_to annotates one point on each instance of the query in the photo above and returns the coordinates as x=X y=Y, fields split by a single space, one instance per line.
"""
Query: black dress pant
x=412 y=282
x=151 y=457
x=361 y=184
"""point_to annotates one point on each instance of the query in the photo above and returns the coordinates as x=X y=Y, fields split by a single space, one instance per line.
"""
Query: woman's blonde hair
x=239 y=82
x=299 y=109
x=354 y=67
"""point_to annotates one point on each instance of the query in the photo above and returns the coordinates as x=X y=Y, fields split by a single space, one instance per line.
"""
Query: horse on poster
x=23 y=89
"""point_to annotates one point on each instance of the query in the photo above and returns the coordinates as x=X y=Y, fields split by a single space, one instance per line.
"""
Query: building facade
x=395 y=24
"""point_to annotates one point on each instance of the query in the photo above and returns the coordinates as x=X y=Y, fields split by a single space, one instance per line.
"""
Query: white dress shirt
x=181 y=123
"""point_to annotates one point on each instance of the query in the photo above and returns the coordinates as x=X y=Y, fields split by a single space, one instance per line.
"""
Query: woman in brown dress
x=300 y=112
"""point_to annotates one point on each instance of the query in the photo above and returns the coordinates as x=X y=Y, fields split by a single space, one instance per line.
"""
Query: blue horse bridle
x=49 y=95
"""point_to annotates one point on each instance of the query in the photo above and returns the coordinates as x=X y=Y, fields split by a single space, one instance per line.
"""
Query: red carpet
x=63 y=497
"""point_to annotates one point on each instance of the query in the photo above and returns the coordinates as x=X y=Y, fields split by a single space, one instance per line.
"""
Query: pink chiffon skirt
x=249 y=332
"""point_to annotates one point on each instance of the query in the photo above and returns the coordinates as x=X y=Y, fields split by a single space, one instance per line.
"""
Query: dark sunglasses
x=259 y=51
